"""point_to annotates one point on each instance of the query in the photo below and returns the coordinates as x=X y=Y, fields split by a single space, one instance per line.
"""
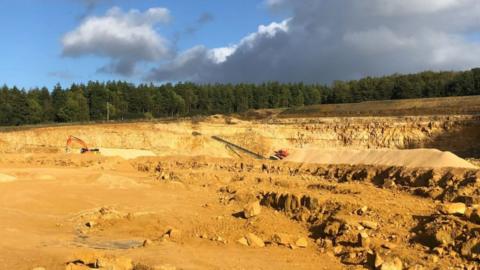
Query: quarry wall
x=458 y=134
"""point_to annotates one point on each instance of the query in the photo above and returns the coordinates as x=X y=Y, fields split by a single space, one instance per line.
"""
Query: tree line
x=118 y=100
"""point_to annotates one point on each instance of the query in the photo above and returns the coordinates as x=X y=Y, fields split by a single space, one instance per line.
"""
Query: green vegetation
x=121 y=101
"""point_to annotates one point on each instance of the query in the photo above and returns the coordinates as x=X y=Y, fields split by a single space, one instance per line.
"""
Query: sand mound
x=6 y=178
x=117 y=182
x=429 y=158
x=126 y=153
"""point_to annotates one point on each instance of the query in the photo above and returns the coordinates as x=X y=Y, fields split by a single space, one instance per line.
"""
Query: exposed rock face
x=457 y=134
x=449 y=185
x=450 y=133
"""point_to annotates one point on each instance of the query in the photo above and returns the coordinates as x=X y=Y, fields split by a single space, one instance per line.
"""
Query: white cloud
x=125 y=38
x=267 y=31
x=326 y=40
x=199 y=59
x=220 y=55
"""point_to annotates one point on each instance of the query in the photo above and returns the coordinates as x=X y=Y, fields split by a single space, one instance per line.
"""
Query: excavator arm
x=72 y=139
x=83 y=146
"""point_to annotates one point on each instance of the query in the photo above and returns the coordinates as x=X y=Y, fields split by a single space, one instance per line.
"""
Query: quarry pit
x=355 y=193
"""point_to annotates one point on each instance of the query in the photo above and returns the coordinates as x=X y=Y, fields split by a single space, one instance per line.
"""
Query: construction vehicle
x=279 y=155
x=83 y=146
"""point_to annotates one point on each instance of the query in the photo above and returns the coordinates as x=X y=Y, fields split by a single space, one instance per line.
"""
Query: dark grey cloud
x=124 y=67
x=326 y=40
x=203 y=19
x=90 y=6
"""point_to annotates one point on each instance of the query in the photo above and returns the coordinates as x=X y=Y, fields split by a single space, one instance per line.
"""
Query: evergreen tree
x=122 y=100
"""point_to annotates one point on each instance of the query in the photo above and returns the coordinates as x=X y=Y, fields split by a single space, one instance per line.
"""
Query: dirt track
x=71 y=211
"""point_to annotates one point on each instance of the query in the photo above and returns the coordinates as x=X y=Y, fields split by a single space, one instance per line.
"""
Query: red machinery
x=84 y=147
x=279 y=155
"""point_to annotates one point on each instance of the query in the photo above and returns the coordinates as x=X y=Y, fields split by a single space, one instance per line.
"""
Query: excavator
x=84 y=147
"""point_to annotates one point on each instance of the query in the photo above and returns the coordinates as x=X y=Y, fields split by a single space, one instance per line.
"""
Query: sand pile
x=6 y=178
x=429 y=158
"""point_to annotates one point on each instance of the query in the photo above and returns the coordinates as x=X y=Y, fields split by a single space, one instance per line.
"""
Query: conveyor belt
x=255 y=155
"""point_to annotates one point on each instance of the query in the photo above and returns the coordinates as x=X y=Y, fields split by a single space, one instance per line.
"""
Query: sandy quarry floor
x=44 y=211
x=56 y=209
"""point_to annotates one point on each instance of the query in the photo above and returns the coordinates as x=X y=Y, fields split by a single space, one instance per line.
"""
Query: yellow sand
x=117 y=182
x=126 y=153
x=429 y=158
x=6 y=178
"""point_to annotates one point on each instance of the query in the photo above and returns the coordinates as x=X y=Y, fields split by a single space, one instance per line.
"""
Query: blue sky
x=32 y=30
x=209 y=41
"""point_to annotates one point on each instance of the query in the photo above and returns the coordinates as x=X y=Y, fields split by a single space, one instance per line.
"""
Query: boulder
x=362 y=211
x=389 y=245
x=332 y=228
x=471 y=248
x=244 y=197
x=453 y=209
x=301 y=242
x=378 y=260
x=444 y=237
x=147 y=243
x=364 y=240
x=337 y=250
x=435 y=192
x=100 y=261
x=369 y=224
x=389 y=183
x=90 y=224
x=254 y=241
x=243 y=241
x=282 y=239
x=252 y=209
x=173 y=234
x=475 y=216
x=392 y=264
x=119 y=263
